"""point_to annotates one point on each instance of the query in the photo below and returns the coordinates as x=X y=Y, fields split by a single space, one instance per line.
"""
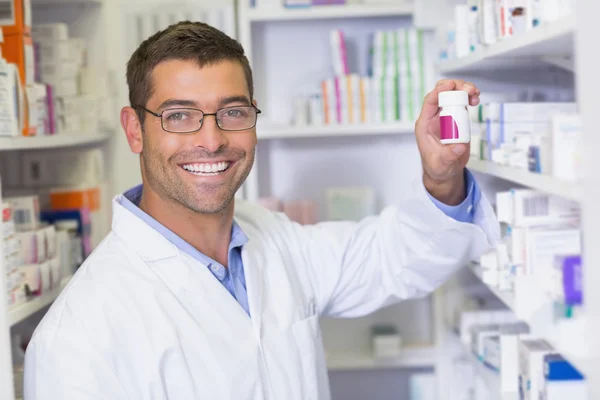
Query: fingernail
x=440 y=83
x=459 y=149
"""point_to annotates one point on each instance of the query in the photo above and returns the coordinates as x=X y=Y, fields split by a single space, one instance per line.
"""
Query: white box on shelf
x=53 y=32
x=25 y=211
x=32 y=277
x=543 y=245
x=54 y=52
x=531 y=366
x=567 y=147
x=56 y=72
x=32 y=249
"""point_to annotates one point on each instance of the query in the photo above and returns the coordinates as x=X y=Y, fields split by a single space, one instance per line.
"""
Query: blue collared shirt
x=233 y=277
x=465 y=211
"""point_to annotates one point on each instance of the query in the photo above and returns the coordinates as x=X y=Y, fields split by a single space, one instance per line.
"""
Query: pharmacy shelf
x=395 y=9
x=567 y=336
x=20 y=312
x=490 y=378
x=506 y=297
x=411 y=357
x=554 y=39
x=270 y=131
x=52 y=141
x=65 y=2
x=541 y=182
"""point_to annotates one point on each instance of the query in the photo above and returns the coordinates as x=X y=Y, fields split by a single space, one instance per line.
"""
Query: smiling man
x=196 y=296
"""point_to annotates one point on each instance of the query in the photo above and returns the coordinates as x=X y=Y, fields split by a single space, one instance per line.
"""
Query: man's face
x=176 y=165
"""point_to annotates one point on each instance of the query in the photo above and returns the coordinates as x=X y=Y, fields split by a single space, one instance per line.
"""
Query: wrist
x=451 y=191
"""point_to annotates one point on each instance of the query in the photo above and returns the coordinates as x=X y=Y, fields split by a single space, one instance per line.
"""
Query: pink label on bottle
x=448 y=128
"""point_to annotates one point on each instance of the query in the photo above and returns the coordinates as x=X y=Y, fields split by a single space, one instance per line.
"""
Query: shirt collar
x=131 y=200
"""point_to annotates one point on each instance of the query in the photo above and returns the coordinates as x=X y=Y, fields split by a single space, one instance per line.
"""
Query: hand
x=443 y=164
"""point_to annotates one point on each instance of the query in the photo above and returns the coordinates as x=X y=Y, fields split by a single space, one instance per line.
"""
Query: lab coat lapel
x=254 y=262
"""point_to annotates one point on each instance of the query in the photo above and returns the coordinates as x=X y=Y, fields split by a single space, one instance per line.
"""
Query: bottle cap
x=453 y=98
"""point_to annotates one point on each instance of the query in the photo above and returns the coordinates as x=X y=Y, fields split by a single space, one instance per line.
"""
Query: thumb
x=451 y=153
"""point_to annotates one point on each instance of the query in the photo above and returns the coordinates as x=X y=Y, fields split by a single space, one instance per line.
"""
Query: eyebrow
x=177 y=103
x=224 y=101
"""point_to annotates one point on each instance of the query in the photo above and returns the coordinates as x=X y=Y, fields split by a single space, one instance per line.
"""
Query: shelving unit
x=566 y=43
x=86 y=19
x=333 y=11
x=53 y=141
x=410 y=358
x=541 y=182
x=20 y=312
x=293 y=132
x=536 y=47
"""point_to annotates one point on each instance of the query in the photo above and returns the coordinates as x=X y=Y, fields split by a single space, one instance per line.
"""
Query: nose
x=210 y=136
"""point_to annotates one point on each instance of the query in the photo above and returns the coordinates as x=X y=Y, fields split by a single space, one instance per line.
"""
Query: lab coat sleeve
x=407 y=251
x=66 y=366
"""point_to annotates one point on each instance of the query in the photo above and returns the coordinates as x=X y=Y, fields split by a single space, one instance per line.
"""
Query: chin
x=211 y=207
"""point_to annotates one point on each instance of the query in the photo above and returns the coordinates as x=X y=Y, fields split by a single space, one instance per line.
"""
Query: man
x=194 y=297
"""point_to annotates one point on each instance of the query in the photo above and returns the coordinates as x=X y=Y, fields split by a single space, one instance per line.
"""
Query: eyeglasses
x=189 y=120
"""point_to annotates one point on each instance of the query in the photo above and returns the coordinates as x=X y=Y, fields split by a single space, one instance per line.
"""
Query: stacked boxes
x=12 y=259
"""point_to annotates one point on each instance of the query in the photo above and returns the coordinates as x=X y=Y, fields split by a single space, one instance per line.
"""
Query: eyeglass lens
x=182 y=120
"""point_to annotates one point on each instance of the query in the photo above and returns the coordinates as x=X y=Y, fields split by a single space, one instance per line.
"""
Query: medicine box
x=544 y=244
x=531 y=367
x=567 y=136
x=54 y=32
x=15 y=17
x=26 y=212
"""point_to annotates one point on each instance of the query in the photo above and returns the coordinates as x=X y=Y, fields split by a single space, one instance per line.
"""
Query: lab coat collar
x=146 y=241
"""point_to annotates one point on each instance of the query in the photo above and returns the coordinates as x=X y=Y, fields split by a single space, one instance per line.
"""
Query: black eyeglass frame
x=203 y=116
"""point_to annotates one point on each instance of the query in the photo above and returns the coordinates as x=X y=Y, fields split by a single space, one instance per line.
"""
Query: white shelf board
x=541 y=182
x=411 y=357
x=395 y=9
x=52 y=141
x=550 y=40
x=20 y=312
x=507 y=297
x=270 y=131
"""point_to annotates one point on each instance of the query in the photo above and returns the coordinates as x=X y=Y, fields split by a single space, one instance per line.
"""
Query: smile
x=207 y=169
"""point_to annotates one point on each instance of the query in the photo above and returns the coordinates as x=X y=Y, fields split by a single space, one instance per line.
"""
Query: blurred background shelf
x=331 y=11
x=410 y=358
x=552 y=40
x=52 y=141
x=302 y=131
x=20 y=312
x=544 y=183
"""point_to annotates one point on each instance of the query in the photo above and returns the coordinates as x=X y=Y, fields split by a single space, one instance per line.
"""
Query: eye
x=235 y=113
x=177 y=116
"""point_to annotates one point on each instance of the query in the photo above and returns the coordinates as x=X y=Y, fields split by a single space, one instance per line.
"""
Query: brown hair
x=182 y=41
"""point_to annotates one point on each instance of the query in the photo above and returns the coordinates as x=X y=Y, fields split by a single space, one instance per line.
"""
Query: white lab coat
x=143 y=320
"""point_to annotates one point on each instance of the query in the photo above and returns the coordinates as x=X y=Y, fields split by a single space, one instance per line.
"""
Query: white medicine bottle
x=455 y=124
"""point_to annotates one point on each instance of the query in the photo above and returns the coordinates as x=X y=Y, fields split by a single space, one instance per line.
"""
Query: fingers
x=430 y=104
x=451 y=153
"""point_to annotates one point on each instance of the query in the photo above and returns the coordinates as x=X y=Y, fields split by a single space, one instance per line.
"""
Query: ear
x=254 y=103
x=132 y=128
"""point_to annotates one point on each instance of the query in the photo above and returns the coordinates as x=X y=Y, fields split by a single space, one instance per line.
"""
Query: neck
x=208 y=233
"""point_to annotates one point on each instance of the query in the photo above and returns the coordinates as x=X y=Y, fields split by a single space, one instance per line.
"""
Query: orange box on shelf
x=17 y=17
x=18 y=49
x=70 y=199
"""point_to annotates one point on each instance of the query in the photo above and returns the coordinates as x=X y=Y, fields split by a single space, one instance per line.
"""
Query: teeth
x=212 y=169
